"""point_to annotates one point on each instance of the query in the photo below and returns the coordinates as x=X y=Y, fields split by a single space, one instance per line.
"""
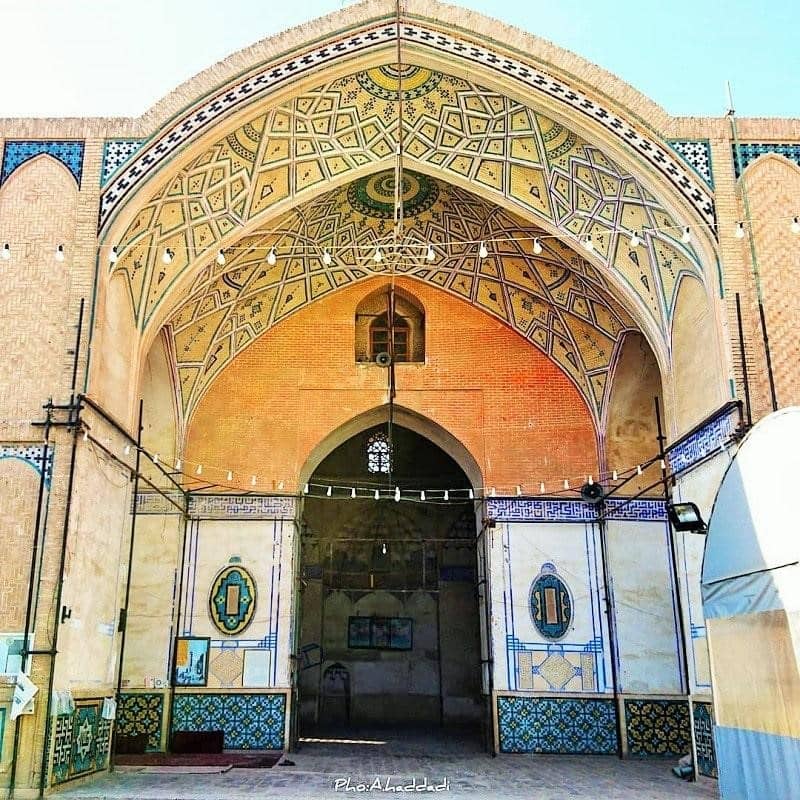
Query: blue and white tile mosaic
x=32 y=454
x=533 y=510
x=81 y=741
x=697 y=154
x=255 y=86
x=156 y=503
x=704 y=740
x=247 y=506
x=115 y=153
x=704 y=442
x=249 y=721
x=658 y=727
x=141 y=713
x=750 y=151
x=16 y=153
x=556 y=725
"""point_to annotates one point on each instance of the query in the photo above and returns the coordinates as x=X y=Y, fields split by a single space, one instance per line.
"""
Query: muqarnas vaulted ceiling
x=557 y=300
x=452 y=128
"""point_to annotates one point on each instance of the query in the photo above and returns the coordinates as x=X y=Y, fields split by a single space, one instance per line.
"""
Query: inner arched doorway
x=389 y=627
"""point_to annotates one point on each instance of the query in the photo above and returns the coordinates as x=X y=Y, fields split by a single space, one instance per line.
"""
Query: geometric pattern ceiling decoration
x=557 y=300
x=417 y=35
x=454 y=129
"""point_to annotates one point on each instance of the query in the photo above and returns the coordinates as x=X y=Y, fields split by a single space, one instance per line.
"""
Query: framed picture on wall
x=358 y=632
x=400 y=633
x=191 y=660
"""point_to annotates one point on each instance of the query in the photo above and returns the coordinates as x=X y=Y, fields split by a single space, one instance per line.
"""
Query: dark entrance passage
x=389 y=626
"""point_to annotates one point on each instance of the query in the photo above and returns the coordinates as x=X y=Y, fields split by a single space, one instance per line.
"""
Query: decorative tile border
x=142 y=713
x=81 y=741
x=532 y=510
x=750 y=151
x=704 y=739
x=31 y=454
x=697 y=154
x=658 y=727
x=217 y=107
x=704 y=441
x=249 y=721
x=115 y=153
x=17 y=152
x=237 y=506
x=556 y=725
x=156 y=503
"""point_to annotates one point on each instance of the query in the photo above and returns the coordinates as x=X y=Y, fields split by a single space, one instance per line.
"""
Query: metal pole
x=744 y=361
x=123 y=621
x=684 y=651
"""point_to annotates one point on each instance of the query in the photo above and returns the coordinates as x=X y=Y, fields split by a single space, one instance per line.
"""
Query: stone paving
x=396 y=760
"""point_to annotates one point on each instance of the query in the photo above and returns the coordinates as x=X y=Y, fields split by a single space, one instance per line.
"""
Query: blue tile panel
x=750 y=151
x=556 y=725
x=141 y=713
x=69 y=153
x=697 y=154
x=31 y=454
x=704 y=739
x=115 y=153
x=81 y=741
x=225 y=506
x=658 y=728
x=702 y=443
x=530 y=510
x=249 y=721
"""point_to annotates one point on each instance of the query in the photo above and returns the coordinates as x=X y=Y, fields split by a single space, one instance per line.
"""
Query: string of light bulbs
x=429 y=249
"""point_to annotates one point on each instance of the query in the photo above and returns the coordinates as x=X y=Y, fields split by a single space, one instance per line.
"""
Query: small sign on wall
x=191 y=660
x=380 y=633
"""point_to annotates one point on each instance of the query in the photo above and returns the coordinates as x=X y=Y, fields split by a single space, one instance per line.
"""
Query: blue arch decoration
x=233 y=586
x=31 y=454
x=550 y=603
x=68 y=152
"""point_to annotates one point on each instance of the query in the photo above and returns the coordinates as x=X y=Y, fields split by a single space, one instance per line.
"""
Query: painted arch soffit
x=340 y=47
x=452 y=128
x=556 y=300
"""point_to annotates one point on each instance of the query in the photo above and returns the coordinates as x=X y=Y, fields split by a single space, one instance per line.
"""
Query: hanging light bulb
x=519 y=491
x=113 y=255
x=482 y=251
x=167 y=256
x=305 y=489
x=329 y=491
x=614 y=476
x=60 y=253
x=353 y=492
x=686 y=237
x=541 y=488
x=635 y=240
x=127 y=450
x=397 y=494
x=326 y=258
x=588 y=243
x=199 y=470
x=155 y=459
x=378 y=257
x=430 y=255
x=638 y=469
x=178 y=465
x=6 y=252
x=446 y=494
x=795 y=226
x=662 y=464
x=493 y=493
x=383 y=548
x=85 y=435
x=739 y=230
x=471 y=494
x=422 y=495
x=229 y=476
x=590 y=481
x=221 y=258
x=280 y=486
x=377 y=494
x=253 y=480
x=566 y=483
x=537 y=247
x=272 y=257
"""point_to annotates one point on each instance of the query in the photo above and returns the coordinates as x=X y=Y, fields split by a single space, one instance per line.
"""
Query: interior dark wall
x=427 y=574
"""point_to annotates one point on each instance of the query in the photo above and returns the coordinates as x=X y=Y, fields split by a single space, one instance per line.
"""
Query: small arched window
x=379 y=337
x=379 y=453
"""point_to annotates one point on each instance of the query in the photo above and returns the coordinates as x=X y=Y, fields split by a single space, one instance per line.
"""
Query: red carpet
x=237 y=760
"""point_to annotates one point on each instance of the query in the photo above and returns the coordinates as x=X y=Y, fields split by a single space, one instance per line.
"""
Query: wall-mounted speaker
x=592 y=493
x=383 y=359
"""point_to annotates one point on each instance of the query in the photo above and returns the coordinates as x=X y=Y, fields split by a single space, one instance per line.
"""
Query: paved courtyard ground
x=397 y=760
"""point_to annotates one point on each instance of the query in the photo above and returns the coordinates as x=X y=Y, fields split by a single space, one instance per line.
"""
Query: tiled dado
x=81 y=741
x=704 y=739
x=657 y=727
x=142 y=713
x=249 y=721
x=556 y=725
